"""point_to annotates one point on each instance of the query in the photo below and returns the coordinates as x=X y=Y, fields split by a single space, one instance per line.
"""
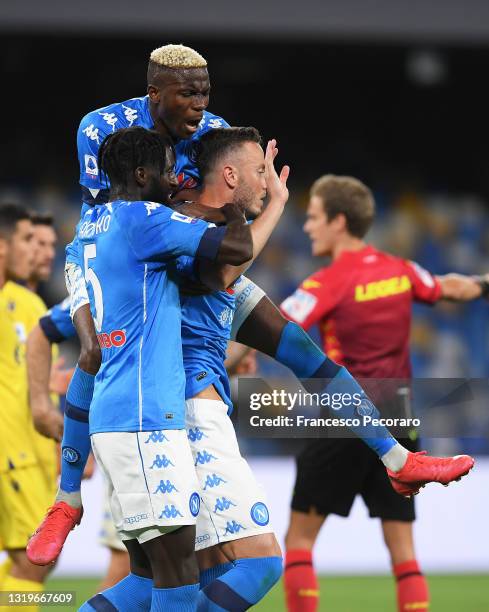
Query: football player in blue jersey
x=175 y=106
x=129 y=248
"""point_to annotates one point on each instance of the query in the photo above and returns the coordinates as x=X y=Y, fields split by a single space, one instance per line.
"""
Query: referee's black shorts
x=332 y=472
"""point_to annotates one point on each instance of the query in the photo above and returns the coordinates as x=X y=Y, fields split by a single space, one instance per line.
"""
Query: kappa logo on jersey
x=70 y=455
x=170 y=512
x=196 y=435
x=299 y=305
x=150 y=206
x=260 y=515
x=213 y=481
x=233 y=527
x=194 y=504
x=114 y=339
x=91 y=166
x=176 y=216
x=156 y=436
x=165 y=487
x=110 y=119
x=222 y=505
x=92 y=132
x=382 y=288
x=130 y=113
x=204 y=457
x=161 y=461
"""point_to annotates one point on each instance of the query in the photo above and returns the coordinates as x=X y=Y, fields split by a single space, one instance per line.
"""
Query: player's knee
x=261 y=575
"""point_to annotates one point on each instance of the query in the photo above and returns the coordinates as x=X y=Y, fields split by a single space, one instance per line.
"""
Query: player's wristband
x=484 y=285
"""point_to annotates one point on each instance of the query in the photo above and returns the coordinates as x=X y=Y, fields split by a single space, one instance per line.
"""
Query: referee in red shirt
x=362 y=303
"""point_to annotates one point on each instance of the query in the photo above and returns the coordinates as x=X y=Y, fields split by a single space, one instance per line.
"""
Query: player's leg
x=119 y=564
x=234 y=509
x=132 y=591
x=411 y=585
x=48 y=540
x=23 y=496
x=152 y=486
x=329 y=476
x=300 y=580
x=397 y=515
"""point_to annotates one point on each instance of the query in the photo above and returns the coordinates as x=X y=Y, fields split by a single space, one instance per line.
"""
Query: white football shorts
x=151 y=481
x=234 y=504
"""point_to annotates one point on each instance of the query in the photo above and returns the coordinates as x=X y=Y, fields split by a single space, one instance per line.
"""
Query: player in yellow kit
x=24 y=489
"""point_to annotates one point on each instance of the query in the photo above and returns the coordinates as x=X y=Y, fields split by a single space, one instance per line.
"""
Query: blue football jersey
x=128 y=252
x=56 y=323
x=206 y=329
x=98 y=124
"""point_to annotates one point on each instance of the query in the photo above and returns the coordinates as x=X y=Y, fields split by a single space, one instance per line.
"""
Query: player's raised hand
x=276 y=184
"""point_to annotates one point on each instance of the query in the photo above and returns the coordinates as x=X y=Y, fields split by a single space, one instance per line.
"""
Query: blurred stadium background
x=392 y=93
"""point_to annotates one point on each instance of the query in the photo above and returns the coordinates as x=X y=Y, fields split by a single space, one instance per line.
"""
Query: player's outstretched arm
x=48 y=420
x=461 y=288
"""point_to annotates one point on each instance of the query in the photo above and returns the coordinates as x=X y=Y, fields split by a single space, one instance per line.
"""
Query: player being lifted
x=362 y=302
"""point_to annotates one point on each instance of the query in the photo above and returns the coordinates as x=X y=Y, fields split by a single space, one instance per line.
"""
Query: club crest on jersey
x=226 y=316
x=260 y=515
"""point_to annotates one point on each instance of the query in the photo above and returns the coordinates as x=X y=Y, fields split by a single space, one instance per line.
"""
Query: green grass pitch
x=449 y=593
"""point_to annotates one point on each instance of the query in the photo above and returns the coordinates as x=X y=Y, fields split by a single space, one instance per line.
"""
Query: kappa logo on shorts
x=204 y=457
x=161 y=461
x=194 y=504
x=223 y=504
x=170 y=512
x=233 y=527
x=165 y=487
x=202 y=538
x=156 y=436
x=135 y=519
x=70 y=455
x=260 y=515
x=213 y=481
x=196 y=435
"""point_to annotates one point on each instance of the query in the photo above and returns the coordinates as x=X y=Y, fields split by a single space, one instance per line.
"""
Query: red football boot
x=46 y=543
x=420 y=469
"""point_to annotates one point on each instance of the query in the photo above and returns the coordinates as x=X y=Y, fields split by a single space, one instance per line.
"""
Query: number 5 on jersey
x=90 y=252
